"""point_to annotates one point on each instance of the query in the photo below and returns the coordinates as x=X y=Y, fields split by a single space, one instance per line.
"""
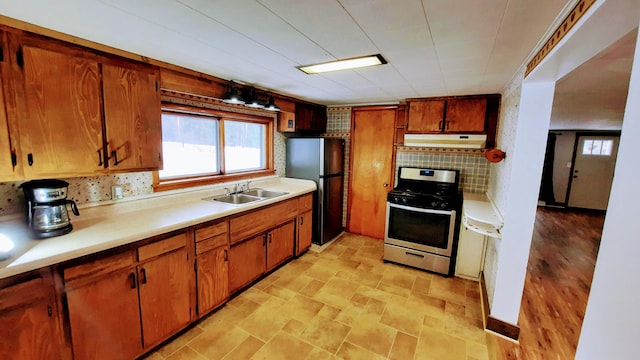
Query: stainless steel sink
x=264 y=193
x=234 y=199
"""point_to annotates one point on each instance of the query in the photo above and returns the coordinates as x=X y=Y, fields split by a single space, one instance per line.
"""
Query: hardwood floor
x=559 y=273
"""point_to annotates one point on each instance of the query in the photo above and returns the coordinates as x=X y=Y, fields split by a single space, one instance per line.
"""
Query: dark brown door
x=371 y=169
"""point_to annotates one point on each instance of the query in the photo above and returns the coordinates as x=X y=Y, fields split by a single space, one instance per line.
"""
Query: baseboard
x=484 y=300
x=505 y=329
x=510 y=331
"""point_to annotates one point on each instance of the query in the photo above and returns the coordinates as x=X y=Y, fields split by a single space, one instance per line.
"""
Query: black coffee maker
x=46 y=207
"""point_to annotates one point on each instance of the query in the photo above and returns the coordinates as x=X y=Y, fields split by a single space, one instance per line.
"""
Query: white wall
x=611 y=325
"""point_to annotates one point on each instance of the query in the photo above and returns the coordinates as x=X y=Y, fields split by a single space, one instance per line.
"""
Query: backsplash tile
x=473 y=167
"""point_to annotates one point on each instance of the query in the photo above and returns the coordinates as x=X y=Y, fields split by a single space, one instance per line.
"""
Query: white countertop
x=480 y=215
x=104 y=227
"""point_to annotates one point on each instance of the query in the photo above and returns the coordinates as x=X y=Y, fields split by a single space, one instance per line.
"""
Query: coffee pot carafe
x=46 y=207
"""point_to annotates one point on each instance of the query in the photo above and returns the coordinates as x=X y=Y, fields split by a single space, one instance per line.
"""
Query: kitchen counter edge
x=101 y=228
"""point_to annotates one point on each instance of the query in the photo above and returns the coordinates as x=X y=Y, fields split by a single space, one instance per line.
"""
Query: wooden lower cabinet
x=213 y=278
x=122 y=305
x=251 y=258
x=280 y=244
x=164 y=296
x=305 y=232
x=104 y=316
x=247 y=261
x=28 y=322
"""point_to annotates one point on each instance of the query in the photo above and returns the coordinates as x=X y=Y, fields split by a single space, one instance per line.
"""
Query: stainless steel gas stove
x=422 y=219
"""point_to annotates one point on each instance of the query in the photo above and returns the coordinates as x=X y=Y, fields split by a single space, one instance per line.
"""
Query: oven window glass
x=422 y=228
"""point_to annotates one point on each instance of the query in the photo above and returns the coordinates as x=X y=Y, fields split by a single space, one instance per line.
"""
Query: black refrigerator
x=320 y=160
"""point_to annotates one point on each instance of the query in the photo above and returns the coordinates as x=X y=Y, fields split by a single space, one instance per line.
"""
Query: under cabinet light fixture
x=233 y=95
x=271 y=105
x=344 y=64
x=252 y=100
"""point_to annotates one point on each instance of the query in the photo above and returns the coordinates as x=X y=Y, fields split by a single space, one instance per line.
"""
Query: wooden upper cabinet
x=28 y=322
x=132 y=117
x=465 y=115
x=448 y=115
x=425 y=116
x=8 y=168
x=72 y=112
x=60 y=121
x=310 y=118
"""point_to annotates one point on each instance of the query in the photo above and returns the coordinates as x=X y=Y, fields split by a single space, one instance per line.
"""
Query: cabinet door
x=104 y=317
x=7 y=169
x=247 y=261
x=164 y=296
x=132 y=117
x=27 y=323
x=465 y=115
x=425 y=116
x=213 y=278
x=280 y=244
x=304 y=117
x=61 y=127
x=305 y=231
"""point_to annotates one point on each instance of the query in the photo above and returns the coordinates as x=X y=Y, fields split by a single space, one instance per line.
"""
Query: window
x=202 y=146
x=597 y=147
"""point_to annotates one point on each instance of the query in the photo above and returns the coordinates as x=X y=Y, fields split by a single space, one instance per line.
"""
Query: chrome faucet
x=248 y=185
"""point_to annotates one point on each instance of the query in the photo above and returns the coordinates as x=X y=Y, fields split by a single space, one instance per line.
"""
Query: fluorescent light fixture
x=353 y=63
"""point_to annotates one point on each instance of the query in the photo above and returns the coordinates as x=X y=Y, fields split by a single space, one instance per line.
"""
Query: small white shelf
x=481 y=216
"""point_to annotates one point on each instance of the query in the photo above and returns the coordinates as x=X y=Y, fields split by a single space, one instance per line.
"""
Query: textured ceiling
x=434 y=47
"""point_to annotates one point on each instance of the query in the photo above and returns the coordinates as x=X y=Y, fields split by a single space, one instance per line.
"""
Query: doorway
x=370 y=169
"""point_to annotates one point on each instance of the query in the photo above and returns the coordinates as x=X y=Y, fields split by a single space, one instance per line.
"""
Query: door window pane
x=244 y=146
x=189 y=145
x=597 y=147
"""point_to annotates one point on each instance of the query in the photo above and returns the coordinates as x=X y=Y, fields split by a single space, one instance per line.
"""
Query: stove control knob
x=444 y=204
x=434 y=204
x=404 y=200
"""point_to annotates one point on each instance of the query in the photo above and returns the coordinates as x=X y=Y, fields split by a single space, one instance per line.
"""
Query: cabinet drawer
x=211 y=243
x=305 y=203
x=208 y=231
x=161 y=247
x=258 y=221
x=99 y=267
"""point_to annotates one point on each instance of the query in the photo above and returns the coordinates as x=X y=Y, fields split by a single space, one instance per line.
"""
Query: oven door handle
x=417 y=209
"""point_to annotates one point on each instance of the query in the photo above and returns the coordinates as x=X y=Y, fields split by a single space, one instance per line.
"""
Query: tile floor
x=342 y=303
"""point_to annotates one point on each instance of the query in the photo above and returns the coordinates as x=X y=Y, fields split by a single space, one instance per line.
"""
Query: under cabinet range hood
x=459 y=141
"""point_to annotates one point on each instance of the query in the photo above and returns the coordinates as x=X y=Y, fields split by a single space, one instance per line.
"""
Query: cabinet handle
x=100 y=157
x=49 y=310
x=441 y=125
x=114 y=155
x=144 y=276
x=270 y=238
x=226 y=255
x=301 y=220
x=447 y=124
x=264 y=240
x=30 y=159
x=132 y=278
